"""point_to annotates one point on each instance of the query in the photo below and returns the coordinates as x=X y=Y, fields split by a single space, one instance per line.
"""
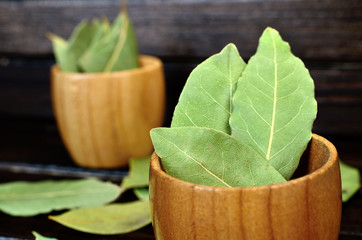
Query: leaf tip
x=271 y=30
x=51 y=36
x=230 y=47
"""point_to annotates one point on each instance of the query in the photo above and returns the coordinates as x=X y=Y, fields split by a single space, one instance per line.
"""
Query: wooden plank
x=323 y=30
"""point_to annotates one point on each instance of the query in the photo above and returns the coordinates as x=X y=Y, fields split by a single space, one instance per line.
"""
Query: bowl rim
x=147 y=62
x=155 y=166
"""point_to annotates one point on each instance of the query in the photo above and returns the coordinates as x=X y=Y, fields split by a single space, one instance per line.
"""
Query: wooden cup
x=105 y=118
x=305 y=208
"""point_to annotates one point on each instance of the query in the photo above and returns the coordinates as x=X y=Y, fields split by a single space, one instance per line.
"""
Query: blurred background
x=325 y=34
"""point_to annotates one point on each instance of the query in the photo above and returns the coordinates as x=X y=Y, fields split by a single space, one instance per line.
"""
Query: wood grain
x=328 y=29
x=105 y=118
x=308 y=207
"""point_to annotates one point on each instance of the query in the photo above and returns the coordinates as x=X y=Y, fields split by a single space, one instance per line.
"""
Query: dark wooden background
x=325 y=34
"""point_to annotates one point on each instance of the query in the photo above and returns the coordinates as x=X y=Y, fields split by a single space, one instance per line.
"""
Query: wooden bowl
x=305 y=208
x=105 y=118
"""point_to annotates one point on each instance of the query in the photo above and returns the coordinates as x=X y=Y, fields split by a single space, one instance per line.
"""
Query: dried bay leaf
x=274 y=106
x=211 y=157
x=114 y=218
x=207 y=95
x=138 y=173
x=351 y=181
x=40 y=237
x=32 y=198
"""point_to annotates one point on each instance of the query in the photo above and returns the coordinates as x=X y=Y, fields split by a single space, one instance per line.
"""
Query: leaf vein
x=298 y=113
x=208 y=94
x=251 y=137
x=197 y=162
x=289 y=75
x=261 y=92
x=257 y=113
x=189 y=118
x=287 y=145
x=261 y=78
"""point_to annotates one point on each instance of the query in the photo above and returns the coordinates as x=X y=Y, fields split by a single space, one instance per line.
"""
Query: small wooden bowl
x=105 y=118
x=305 y=208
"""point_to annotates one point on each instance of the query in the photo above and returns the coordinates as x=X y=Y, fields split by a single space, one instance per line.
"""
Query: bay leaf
x=351 y=181
x=116 y=51
x=31 y=198
x=78 y=43
x=101 y=29
x=207 y=95
x=274 y=106
x=142 y=193
x=111 y=219
x=138 y=173
x=211 y=157
x=41 y=237
x=125 y=54
x=60 y=51
x=68 y=53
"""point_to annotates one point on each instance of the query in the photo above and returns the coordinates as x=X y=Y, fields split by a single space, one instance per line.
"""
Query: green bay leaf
x=78 y=43
x=142 y=193
x=60 y=47
x=351 y=181
x=100 y=30
x=41 y=237
x=115 y=51
x=68 y=53
x=138 y=173
x=207 y=95
x=32 y=198
x=111 y=219
x=211 y=157
x=274 y=106
x=125 y=53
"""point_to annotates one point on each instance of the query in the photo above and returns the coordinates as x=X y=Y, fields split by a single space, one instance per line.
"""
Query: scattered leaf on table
x=207 y=95
x=351 y=181
x=32 y=198
x=111 y=219
x=40 y=237
x=211 y=157
x=138 y=173
x=274 y=106
x=117 y=50
x=142 y=193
